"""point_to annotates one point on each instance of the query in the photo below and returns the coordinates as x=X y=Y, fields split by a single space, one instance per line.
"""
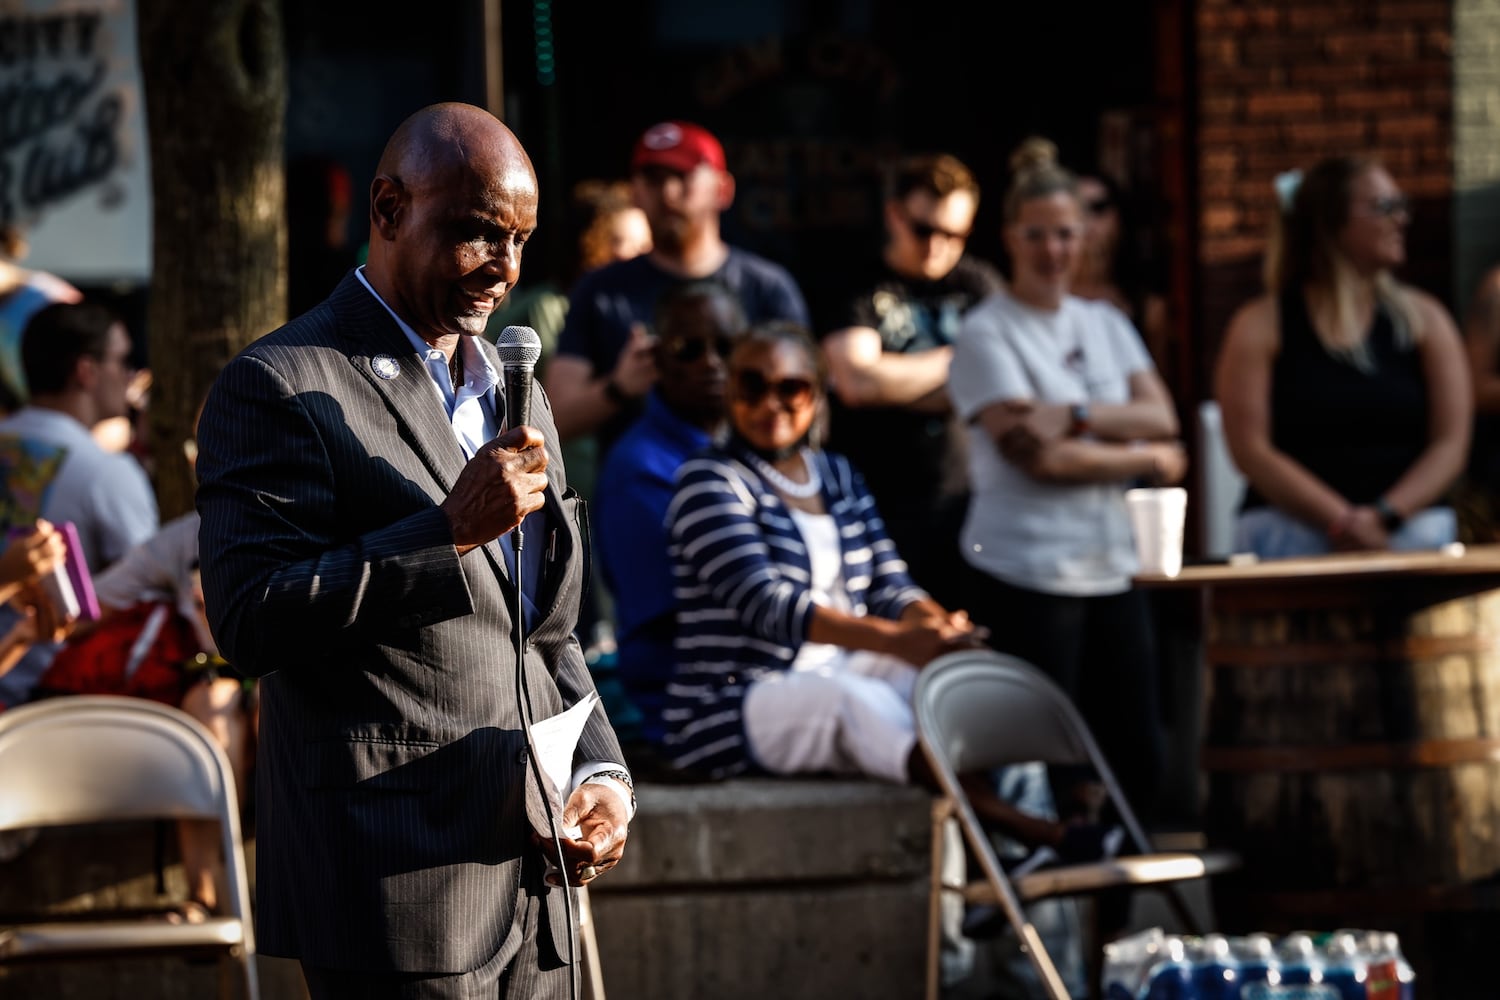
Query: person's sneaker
x=1085 y=842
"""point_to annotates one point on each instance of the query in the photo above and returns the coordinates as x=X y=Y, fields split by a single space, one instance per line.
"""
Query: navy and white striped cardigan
x=741 y=575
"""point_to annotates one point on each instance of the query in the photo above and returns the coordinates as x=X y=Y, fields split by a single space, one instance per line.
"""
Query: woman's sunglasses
x=752 y=387
x=689 y=349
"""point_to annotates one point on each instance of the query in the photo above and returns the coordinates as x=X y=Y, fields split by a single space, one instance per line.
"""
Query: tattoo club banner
x=74 y=174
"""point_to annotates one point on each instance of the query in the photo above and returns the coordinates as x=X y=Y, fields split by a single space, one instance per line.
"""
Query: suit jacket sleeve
x=281 y=565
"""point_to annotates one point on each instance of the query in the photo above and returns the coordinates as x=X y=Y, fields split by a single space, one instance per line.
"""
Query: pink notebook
x=79 y=575
x=70 y=586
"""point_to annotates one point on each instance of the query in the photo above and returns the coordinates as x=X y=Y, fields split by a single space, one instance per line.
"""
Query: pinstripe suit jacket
x=391 y=767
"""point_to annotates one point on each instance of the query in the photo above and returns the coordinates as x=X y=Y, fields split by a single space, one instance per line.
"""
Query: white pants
x=850 y=716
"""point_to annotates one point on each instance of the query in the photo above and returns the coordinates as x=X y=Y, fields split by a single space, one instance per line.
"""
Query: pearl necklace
x=792 y=488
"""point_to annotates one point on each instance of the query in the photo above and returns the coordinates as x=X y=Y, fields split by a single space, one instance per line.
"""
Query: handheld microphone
x=519 y=348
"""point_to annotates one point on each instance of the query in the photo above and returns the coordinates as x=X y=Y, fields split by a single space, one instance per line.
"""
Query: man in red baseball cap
x=603 y=367
x=678 y=146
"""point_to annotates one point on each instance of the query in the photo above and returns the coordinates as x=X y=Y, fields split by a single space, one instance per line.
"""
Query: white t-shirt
x=56 y=470
x=1059 y=538
x=162 y=568
x=53 y=469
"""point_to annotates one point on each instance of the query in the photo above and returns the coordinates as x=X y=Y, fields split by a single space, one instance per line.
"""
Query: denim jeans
x=1271 y=534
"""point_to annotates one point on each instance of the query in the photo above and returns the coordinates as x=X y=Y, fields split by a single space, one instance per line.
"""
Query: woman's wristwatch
x=1390 y=518
x=1078 y=414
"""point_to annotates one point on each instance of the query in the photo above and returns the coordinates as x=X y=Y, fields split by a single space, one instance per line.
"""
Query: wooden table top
x=1453 y=561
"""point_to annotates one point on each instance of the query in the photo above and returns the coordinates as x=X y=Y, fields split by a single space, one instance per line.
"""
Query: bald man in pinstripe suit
x=358 y=510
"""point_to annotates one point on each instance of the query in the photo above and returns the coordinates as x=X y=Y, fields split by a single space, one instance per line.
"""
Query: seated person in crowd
x=163 y=571
x=799 y=631
x=31 y=618
x=27 y=557
x=696 y=324
x=1345 y=395
x=77 y=363
x=154 y=590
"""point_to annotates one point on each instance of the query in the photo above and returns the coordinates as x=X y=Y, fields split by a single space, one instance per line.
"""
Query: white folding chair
x=87 y=759
x=979 y=710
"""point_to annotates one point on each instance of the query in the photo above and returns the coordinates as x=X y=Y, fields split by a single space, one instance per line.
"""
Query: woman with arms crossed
x=1064 y=411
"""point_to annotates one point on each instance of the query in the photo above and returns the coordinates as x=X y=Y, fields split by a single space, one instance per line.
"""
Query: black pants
x=1102 y=652
x=927 y=540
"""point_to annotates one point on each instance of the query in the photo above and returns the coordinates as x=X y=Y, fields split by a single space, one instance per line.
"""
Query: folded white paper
x=554 y=742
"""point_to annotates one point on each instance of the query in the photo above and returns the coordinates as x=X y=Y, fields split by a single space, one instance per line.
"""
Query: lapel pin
x=385 y=366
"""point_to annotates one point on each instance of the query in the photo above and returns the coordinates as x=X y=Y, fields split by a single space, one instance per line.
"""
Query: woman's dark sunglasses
x=689 y=349
x=753 y=387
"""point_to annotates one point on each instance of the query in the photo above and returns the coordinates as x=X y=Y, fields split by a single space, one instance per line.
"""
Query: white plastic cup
x=1158 y=516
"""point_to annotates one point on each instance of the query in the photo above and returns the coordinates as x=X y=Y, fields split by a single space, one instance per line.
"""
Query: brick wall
x=1283 y=84
x=1476 y=142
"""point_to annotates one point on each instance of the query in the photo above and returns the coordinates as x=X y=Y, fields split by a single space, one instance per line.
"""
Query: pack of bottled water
x=1343 y=965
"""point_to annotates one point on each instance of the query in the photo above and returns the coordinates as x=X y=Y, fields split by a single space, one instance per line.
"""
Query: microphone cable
x=523 y=699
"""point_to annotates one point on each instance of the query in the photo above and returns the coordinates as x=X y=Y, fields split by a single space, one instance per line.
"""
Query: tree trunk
x=215 y=83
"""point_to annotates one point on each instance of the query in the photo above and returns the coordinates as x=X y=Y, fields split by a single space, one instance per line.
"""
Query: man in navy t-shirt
x=603 y=368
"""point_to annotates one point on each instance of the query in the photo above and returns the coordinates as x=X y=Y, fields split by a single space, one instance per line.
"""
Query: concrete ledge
x=739 y=890
x=764 y=830
x=759 y=888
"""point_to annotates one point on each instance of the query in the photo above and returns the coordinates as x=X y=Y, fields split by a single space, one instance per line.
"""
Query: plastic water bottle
x=1259 y=970
x=1216 y=974
x=1128 y=963
x=1302 y=966
x=1346 y=964
x=1172 y=977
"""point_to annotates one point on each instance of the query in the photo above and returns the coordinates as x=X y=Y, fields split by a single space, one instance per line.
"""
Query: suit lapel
x=383 y=356
x=407 y=390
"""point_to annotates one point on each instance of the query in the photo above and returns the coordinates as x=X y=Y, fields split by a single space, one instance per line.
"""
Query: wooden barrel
x=1351 y=751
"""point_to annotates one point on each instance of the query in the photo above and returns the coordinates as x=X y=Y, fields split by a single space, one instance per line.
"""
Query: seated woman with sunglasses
x=799 y=632
x=1345 y=394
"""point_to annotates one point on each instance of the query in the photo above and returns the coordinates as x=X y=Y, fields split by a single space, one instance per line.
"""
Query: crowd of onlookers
x=793 y=513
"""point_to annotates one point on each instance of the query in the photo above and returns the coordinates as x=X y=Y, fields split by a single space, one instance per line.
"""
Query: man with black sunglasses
x=697 y=325
x=888 y=348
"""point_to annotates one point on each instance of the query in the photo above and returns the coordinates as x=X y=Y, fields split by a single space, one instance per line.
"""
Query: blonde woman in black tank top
x=1345 y=394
